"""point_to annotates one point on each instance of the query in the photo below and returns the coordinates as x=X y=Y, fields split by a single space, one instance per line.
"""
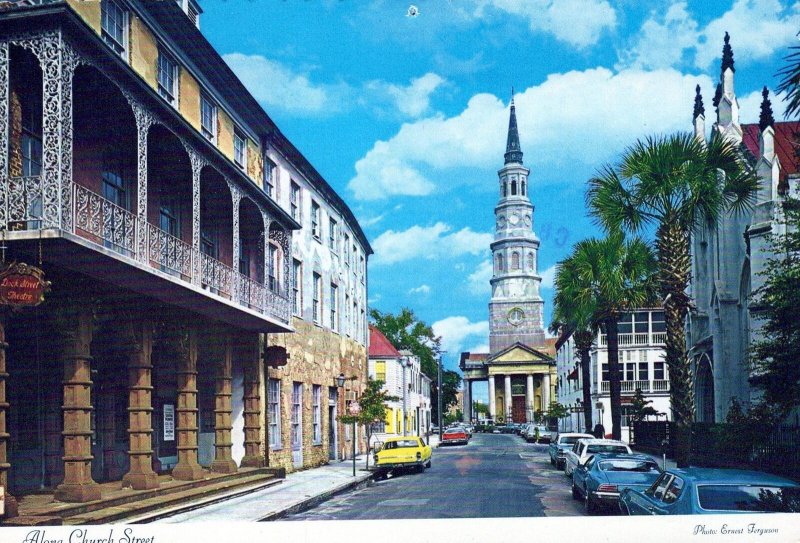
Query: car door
x=649 y=502
x=581 y=472
x=670 y=499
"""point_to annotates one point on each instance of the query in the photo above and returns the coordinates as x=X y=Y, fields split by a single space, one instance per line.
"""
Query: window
x=167 y=77
x=625 y=324
x=315 y=214
x=32 y=135
x=515 y=260
x=294 y=201
x=362 y=267
x=640 y=323
x=347 y=314
x=347 y=250
x=317 y=300
x=380 y=371
x=317 y=419
x=297 y=286
x=274 y=406
x=115 y=24
x=274 y=266
x=673 y=491
x=643 y=371
x=297 y=406
x=332 y=303
x=208 y=118
x=500 y=264
x=656 y=491
x=270 y=178
x=332 y=234
x=244 y=261
x=658 y=321
x=239 y=149
x=658 y=371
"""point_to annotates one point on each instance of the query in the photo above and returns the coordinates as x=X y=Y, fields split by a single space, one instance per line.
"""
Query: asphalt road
x=495 y=475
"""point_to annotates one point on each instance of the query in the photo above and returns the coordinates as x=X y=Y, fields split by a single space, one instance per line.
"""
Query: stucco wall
x=224 y=133
x=89 y=11
x=144 y=52
x=189 y=98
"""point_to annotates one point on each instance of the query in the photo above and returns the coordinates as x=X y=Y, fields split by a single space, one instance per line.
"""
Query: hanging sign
x=22 y=285
x=354 y=408
x=276 y=356
x=169 y=422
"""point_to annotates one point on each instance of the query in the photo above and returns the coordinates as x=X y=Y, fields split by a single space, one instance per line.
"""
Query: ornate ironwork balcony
x=104 y=222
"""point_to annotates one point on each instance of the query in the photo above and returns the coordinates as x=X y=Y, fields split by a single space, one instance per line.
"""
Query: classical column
x=546 y=391
x=467 y=402
x=10 y=501
x=187 y=468
x=223 y=463
x=492 y=411
x=78 y=485
x=529 y=407
x=140 y=475
x=507 y=398
x=252 y=405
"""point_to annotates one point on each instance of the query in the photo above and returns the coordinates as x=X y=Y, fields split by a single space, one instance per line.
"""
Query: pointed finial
x=512 y=95
x=513 y=149
x=766 y=118
x=699 y=108
x=717 y=97
x=727 y=54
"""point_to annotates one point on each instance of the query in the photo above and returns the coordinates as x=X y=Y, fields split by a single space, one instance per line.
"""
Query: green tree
x=677 y=184
x=777 y=302
x=405 y=331
x=641 y=406
x=557 y=411
x=612 y=276
x=451 y=384
x=373 y=408
x=480 y=408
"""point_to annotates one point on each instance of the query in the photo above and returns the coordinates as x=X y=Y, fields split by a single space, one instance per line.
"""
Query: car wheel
x=420 y=468
x=576 y=495
x=588 y=503
x=428 y=464
x=624 y=509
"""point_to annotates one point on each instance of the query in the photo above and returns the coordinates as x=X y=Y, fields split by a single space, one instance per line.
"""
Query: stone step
x=161 y=506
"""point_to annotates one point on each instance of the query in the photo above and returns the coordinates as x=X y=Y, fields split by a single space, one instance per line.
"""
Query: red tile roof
x=379 y=346
x=785 y=134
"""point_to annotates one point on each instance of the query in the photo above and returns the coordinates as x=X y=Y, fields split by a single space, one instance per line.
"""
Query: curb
x=311 y=502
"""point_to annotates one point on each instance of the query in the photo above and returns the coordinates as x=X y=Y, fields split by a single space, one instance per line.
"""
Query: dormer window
x=115 y=23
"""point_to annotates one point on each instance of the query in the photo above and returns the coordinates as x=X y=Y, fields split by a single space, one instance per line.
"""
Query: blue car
x=600 y=479
x=694 y=491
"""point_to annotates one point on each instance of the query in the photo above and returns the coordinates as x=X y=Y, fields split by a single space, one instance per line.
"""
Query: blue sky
x=406 y=117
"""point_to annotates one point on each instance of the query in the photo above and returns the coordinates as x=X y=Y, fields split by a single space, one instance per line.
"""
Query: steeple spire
x=727 y=55
x=699 y=108
x=513 y=150
x=766 y=118
x=717 y=97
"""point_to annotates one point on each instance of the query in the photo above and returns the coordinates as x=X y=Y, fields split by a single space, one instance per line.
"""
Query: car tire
x=576 y=495
x=428 y=464
x=588 y=503
x=624 y=509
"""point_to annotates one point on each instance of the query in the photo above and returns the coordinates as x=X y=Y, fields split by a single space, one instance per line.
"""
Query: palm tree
x=676 y=184
x=599 y=281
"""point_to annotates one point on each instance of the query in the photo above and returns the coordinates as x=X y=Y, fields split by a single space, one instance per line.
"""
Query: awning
x=573 y=376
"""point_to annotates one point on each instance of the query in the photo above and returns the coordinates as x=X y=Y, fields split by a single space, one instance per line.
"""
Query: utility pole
x=439 y=395
x=403 y=365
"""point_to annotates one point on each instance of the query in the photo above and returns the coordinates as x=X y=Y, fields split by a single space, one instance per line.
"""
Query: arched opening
x=104 y=162
x=504 y=189
x=704 y=391
x=515 y=260
x=514 y=187
x=530 y=262
x=169 y=203
x=524 y=188
x=251 y=253
x=500 y=263
x=216 y=232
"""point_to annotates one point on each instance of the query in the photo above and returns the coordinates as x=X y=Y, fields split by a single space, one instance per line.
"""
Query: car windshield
x=641 y=466
x=569 y=440
x=606 y=449
x=762 y=498
x=403 y=443
x=454 y=431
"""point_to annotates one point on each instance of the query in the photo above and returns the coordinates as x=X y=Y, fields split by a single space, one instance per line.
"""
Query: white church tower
x=516 y=307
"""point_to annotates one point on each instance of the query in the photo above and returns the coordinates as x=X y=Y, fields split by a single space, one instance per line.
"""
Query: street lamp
x=354 y=409
x=405 y=363
x=439 y=394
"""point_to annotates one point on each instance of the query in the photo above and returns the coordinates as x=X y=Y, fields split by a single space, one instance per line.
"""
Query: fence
x=746 y=446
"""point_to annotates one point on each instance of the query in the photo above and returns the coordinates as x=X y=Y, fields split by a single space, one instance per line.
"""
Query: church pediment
x=520 y=354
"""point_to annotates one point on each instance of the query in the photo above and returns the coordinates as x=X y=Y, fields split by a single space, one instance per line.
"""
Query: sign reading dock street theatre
x=22 y=285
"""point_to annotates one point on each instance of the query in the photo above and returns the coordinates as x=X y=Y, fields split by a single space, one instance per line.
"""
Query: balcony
x=636 y=340
x=629 y=387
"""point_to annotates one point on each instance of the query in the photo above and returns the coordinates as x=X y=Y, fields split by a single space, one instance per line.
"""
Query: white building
x=641 y=357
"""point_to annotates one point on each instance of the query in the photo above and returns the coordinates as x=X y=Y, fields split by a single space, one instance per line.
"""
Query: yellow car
x=403 y=452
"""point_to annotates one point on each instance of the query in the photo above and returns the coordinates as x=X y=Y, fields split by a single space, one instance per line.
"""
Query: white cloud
x=599 y=110
x=478 y=348
x=548 y=277
x=576 y=22
x=412 y=100
x=428 y=242
x=757 y=27
x=478 y=281
x=454 y=332
x=276 y=86
x=422 y=289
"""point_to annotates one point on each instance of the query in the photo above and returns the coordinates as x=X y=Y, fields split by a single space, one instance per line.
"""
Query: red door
x=518 y=408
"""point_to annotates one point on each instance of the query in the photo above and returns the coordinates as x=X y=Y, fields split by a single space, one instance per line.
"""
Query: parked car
x=410 y=452
x=455 y=436
x=693 y=491
x=561 y=444
x=525 y=429
x=583 y=448
x=602 y=477
x=538 y=434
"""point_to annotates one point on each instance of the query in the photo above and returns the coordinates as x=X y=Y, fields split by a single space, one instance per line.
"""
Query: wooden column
x=78 y=485
x=252 y=404
x=223 y=391
x=140 y=475
x=187 y=468
x=11 y=502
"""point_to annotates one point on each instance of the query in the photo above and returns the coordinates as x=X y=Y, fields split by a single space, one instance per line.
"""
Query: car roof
x=594 y=441
x=623 y=456
x=576 y=434
x=399 y=438
x=730 y=476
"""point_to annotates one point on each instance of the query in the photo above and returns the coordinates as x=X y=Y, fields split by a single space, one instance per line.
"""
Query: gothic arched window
x=530 y=261
x=515 y=260
x=505 y=189
x=499 y=262
x=523 y=188
x=514 y=187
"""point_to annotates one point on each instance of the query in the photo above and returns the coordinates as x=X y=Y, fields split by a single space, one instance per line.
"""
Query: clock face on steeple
x=514 y=218
x=501 y=221
x=516 y=316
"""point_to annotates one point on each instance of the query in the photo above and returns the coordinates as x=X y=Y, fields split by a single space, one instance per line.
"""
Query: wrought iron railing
x=24 y=201
x=627 y=340
x=99 y=218
x=216 y=276
x=250 y=293
x=170 y=253
x=629 y=387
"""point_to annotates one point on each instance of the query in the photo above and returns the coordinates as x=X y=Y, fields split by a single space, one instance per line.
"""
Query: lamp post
x=354 y=409
x=439 y=394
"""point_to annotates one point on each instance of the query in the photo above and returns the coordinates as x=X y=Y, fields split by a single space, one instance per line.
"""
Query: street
x=495 y=475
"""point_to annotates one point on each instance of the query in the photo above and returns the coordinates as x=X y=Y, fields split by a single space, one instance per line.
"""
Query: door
x=333 y=435
x=518 y=409
x=297 y=425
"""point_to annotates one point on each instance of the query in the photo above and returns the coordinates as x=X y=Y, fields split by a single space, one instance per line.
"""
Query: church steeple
x=513 y=150
x=727 y=54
